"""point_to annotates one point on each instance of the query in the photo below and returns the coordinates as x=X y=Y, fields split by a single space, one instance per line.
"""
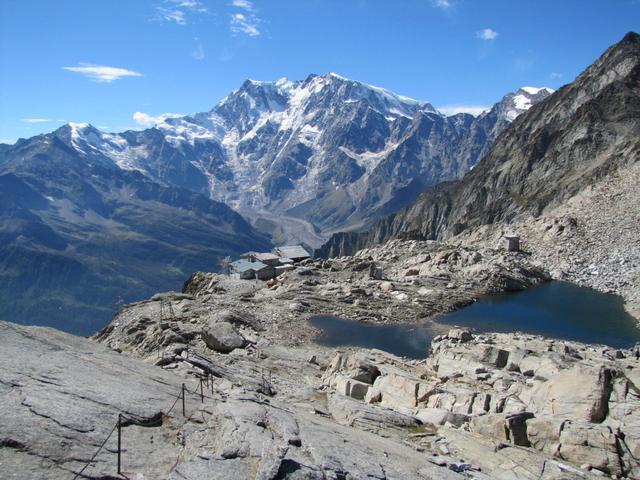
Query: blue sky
x=119 y=64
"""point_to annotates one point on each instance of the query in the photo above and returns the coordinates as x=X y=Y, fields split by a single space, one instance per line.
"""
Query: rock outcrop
x=570 y=401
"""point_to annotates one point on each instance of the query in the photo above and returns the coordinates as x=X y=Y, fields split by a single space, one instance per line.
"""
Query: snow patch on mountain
x=524 y=99
x=536 y=90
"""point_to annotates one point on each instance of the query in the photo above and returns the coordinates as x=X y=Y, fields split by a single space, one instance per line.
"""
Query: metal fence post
x=119 y=440
x=183 y=408
x=201 y=392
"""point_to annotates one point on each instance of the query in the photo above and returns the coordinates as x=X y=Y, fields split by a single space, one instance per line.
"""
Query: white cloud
x=556 y=76
x=172 y=15
x=244 y=4
x=241 y=23
x=194 y=5
x=474 y=110
x=198 y=52
x=178 y=10
x=443 y=4
x=146 y=120
x=487 y=34
x=35 y=120
x=102 y=73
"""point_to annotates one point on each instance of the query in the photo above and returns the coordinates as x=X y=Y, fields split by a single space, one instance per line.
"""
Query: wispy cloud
x=461 y=108
x=556 y=76
x=171 y=15
x=102 y=73
x=443 y=4
x=487 y=34
x=178 y=11
x=244 y=4
x=247 y=21
x=35 y=120
x=248 y=24
x=146 y=120
x=198 y=52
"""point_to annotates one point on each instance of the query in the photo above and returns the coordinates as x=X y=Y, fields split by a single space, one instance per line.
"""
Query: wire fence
x=205 y=381
x=127 y=420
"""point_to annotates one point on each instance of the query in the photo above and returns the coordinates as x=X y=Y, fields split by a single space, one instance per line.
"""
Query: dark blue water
x=404 y=340
x=554 y=309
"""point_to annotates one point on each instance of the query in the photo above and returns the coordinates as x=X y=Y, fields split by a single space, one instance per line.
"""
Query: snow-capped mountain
x=330 y=151
x=98 y=213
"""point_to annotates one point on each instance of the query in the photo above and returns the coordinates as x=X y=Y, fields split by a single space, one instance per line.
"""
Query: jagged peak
x=536 y=90
x=75 y=129
x=631 y=37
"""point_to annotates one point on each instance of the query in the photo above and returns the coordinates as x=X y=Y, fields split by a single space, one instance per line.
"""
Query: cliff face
x=560 y=147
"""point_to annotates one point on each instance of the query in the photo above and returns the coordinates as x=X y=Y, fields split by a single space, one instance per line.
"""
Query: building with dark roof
x=297 y=253
x=248 y=270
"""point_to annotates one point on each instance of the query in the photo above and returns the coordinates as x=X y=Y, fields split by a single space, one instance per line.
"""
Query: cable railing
x=127 y=420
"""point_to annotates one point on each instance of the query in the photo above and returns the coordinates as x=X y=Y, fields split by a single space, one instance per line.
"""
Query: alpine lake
x=554 y=309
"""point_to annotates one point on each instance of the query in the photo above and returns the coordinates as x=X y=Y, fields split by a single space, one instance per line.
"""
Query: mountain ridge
x=561 y=145
x=327 y=150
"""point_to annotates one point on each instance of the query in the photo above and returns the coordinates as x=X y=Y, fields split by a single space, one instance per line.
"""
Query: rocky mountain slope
x=593 y=240
x=567 y=143
x=78 y=234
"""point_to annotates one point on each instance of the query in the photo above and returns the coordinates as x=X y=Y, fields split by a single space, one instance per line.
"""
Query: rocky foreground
x=481 y=406
x=274 y=405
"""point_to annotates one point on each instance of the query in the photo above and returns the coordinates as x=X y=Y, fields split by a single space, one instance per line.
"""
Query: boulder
x=399 y=392
x=580 y=394
x=355 y=366
x=595 y=445
x=440 y=416
x=351 y=388
x=222 y=337
x=503 y=428
x=387 y=287
x=544 y=433
x=359 y=390
x=373 y=395
x=452 y=364
x=495 y=356
x=460 y=335
x=368 y=417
